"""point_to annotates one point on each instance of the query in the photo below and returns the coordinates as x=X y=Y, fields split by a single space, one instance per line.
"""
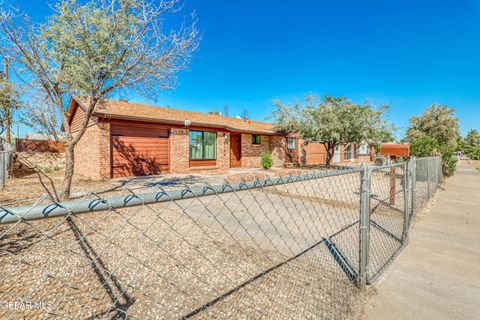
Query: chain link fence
x=6 y=157
x=295 y=247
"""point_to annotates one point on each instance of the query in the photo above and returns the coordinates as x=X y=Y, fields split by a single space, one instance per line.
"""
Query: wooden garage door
x=315 y=153
x=139 y=149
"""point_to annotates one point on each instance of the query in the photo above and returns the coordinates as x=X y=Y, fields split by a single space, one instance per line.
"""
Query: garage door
x=315 y=153
x=139 y=149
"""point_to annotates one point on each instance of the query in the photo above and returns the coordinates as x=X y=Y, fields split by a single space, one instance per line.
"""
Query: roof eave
x=108 y=116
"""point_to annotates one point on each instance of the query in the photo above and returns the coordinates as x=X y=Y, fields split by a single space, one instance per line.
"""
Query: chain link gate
x=292 y=247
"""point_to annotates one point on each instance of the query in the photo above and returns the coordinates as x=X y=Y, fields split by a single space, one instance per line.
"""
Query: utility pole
x=5 y=68
x=8 y=115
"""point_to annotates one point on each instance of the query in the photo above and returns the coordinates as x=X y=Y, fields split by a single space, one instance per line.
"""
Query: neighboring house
x=315 y=153
x=129 y=139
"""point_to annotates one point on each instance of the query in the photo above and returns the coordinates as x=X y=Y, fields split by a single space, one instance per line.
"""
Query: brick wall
x=179 y=150
x=92 y=153
x=180 y=158
x=278 y=146
x=223 y=151
x=35 y=145
x=251 y=152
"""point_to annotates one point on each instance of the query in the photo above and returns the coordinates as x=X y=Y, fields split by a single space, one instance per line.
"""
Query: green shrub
x=45 y=169
x=449 y=162
x=427 y=147
x=474 y=154
x=266 y=160
x=423 y=147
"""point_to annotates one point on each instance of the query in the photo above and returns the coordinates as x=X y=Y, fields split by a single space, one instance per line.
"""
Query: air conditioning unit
x=382 y=160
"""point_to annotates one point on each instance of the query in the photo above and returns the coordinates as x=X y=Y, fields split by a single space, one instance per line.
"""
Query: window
x=203 y=145
x=291 y=143
x=256 y=139
x=363 y=149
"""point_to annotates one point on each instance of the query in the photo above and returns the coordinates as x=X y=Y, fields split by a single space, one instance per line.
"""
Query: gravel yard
x=173 y=259
x=288 y=251
x=28 y=189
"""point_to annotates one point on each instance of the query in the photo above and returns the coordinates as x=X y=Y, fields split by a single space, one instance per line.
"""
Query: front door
x=235 y=150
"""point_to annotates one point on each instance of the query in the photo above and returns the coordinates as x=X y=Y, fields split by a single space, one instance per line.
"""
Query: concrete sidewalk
x=437 y=276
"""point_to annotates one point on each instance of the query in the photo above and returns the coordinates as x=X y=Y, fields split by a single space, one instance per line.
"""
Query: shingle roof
x=130 y=110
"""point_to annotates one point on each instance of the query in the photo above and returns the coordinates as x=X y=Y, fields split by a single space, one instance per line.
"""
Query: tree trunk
x=330 y=152
x=69 y=166
x=8 y=124
x=329 y=159
x=8 y=135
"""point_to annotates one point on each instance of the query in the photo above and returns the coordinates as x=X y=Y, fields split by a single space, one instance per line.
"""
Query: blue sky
x=408 y=54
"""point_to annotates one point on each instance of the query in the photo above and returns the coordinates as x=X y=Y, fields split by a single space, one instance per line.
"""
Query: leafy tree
x=474 y=154
x=332 y=121
x=473 y=138
x=437 y=122
x=435 y=132
x=470 y=145
x=95 y=49
x=424 y=147
x=10 y=102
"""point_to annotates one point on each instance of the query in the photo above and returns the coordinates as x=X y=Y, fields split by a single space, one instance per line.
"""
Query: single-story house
x=129 y=139
x=315 y=153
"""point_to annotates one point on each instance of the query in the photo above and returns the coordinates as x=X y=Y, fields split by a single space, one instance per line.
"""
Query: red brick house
x=130 y=139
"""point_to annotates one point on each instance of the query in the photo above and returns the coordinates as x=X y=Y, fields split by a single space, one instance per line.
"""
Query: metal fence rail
x=294 y=247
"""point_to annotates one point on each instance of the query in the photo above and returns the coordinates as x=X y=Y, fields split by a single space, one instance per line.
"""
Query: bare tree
x=95 y=50
x=42 y=116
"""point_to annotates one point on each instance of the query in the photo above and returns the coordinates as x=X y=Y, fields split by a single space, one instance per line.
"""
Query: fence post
x=406 y=197
x=2 y=171
x=428 y=177
x=364 y=230
x=413 y=173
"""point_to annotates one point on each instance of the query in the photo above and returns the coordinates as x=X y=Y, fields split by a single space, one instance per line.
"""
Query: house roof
x=136 y=111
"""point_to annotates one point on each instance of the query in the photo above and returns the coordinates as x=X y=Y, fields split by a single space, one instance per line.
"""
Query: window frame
x=203 y=146
x=294 y=143
x=254 y=141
